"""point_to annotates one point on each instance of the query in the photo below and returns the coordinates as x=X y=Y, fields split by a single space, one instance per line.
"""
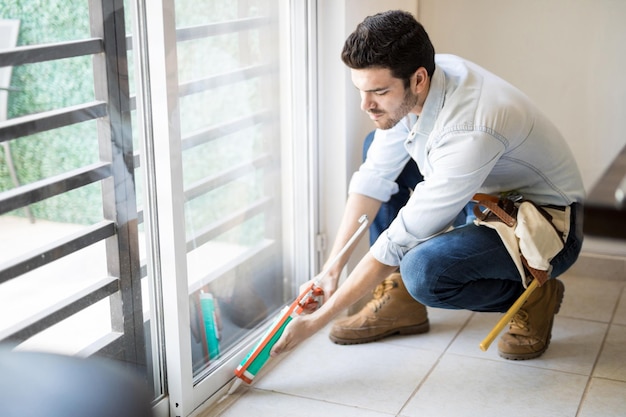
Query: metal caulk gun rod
x=363 y=221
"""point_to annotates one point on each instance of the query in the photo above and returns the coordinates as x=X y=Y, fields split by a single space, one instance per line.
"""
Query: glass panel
x=39 y=292
x=150 y=296
x=231 y=175
x=36 y=87
x=49 y=220
x=51 y=153
x=213 y=55
x=196 y=12
x=77 y=335
x=222 y=105
x=99 y=288
x=49 y=21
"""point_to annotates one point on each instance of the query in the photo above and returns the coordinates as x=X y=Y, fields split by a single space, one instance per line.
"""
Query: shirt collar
x=432 y=105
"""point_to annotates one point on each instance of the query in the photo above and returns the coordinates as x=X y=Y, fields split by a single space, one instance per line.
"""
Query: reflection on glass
x=49 y=21
x=69 y=239
x=35 y=87
x=232 y=169
x=34 y=293
x=46 y=154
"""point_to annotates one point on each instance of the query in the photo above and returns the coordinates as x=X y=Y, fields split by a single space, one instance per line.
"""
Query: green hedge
x=56 y=84
x=46 y=86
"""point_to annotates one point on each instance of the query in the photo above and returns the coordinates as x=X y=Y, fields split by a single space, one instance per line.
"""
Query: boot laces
x=520 y=320
x=381 y=294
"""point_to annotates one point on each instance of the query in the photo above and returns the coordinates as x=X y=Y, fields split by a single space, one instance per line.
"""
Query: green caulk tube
x=260 y=354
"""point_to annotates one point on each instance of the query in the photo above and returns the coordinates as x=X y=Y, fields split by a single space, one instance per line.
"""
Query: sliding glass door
x=155 y=193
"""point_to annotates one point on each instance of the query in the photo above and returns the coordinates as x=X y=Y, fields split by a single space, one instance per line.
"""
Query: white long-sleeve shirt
x=476 y=133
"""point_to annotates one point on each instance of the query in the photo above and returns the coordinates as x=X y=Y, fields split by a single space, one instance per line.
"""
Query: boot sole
x=417 y=329
x=533 y=355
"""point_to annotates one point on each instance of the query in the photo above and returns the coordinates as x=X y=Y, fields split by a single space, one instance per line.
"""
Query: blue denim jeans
x=406 y=181
x=468 y=267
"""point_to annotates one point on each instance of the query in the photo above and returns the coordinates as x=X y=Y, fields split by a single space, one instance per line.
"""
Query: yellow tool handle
x=484 y=345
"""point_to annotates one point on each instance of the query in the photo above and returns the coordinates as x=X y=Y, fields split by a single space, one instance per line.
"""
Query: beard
x=408 y=102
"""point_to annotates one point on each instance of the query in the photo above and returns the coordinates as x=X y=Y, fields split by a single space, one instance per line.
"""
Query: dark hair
x=393 y=40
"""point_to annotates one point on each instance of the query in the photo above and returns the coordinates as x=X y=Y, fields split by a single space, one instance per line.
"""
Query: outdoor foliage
x=57 y=84
x=46 y=86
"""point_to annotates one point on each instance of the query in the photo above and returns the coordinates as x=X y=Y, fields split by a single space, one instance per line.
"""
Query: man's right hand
x=327 y=286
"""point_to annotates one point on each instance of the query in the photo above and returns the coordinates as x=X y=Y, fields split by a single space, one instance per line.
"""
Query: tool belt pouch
x=532 y=235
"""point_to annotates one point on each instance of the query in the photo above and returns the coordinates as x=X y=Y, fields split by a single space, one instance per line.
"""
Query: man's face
x=383 y=97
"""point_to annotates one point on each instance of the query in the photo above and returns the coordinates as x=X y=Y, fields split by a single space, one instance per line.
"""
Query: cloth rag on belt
x=533 y=235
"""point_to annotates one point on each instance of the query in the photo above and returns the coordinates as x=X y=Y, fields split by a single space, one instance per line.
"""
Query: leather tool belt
x=532 y=234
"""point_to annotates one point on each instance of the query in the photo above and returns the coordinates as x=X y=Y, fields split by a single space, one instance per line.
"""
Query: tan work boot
x=391 y=311
x=530 y=329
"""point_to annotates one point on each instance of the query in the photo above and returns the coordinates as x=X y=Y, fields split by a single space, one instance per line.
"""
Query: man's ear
x=419 y=80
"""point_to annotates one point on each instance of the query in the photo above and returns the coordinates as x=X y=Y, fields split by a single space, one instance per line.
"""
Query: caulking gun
x=258 y=356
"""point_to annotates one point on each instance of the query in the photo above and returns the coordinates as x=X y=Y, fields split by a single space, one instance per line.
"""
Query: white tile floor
x=444 y=373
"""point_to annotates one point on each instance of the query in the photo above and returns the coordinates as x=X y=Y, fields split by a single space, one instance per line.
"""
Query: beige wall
x=568 y=55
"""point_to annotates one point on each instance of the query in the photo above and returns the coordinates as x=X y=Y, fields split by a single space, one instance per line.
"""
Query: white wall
x=568 y=55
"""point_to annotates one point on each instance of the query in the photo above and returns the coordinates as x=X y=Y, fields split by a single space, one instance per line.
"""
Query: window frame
x=299 y=87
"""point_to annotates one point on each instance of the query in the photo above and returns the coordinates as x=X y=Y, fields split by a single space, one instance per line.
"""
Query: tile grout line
x=595 y=363
x=464 y=326
x=435 y=364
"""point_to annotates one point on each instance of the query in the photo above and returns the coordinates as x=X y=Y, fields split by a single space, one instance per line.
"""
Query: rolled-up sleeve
x=386 y=158
x=390 y=252
x=372 y=186
x=457 y=167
